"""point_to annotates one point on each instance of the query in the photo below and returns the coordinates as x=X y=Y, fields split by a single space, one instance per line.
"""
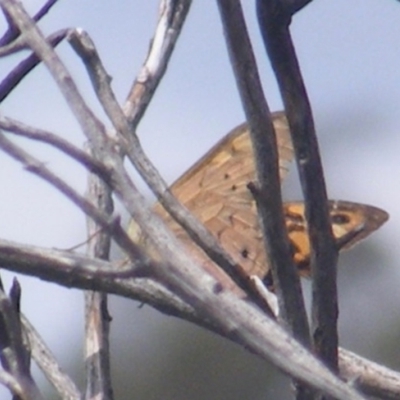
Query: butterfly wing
x=215 y=191
x=351 y=222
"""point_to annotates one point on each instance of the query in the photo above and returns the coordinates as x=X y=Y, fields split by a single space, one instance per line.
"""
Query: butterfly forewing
x=215 y=191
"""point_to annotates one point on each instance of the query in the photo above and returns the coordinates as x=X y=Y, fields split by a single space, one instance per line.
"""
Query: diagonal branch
x=48 y=364
x=25 y=66
x=12 y=32
x=56 y=141
x=173 y=14
x=33 y=37
x=14 y=356
x=108 y=223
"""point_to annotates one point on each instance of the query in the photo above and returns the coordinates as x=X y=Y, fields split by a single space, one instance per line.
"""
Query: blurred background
x=350 y=59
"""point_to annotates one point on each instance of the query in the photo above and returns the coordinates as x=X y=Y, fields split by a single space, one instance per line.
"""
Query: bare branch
x=110 y=224
x=50 y=261
x=74 y=270
x=227 y=313
x=123 y=185
x=44 y=10
x=14 y=355
x=10 y=382
x=13 y=47
x=57 y=141
x=269 y=197
x=26 y=65
x=173 y=14
x=91 y=126
x=48 y=364
x=97 y=318
x=13 y=32
x=274 y=20
x=368 y=376
x=241 y=320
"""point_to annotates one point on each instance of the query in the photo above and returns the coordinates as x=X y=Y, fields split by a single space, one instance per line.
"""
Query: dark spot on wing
x=244 y=253
x=340 y=219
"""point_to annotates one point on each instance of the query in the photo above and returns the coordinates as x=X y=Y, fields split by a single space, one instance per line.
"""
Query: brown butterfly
x=215 y=190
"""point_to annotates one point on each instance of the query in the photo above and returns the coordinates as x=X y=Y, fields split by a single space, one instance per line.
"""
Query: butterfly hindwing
x=351 y=222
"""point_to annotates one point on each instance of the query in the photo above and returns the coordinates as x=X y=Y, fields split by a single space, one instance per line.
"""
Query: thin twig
x=10 y=382
x=56 y=141
x=13 y=47
x=14 y=355
x=63 y=268
x=173 y=14
x=55 y=266
x=12 y=33
x=109 y=223
x=53 y=260
x=97 y=318
x=49 y=365
x=105 y=149
x=274 y=19
x=14 y=77
x=95 y=131
x=44 y=10
x=90 y=124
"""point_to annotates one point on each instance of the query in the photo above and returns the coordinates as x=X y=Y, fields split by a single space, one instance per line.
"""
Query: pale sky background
x=349 y=55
